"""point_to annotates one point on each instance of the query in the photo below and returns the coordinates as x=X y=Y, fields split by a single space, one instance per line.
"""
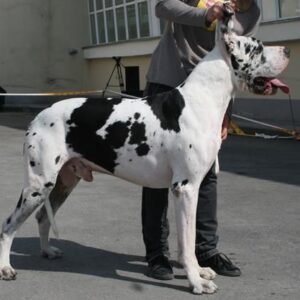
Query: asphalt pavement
x=100 y=229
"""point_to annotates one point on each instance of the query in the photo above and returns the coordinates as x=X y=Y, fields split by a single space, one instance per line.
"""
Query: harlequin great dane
x=166 y=140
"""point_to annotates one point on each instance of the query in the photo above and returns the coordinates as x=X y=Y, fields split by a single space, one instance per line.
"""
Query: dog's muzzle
x=264 y=85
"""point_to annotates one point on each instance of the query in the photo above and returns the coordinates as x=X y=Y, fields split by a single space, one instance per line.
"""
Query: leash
x=68 y=93
x=238 y=131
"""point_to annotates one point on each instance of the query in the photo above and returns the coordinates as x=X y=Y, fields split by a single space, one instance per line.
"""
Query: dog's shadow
x=86 y=260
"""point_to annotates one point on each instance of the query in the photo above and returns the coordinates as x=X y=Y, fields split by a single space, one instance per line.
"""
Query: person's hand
x=215 y=12
x=225 y=127
x=233 y=4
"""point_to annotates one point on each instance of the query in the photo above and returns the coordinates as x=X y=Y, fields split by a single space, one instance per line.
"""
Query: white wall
x=36 y=36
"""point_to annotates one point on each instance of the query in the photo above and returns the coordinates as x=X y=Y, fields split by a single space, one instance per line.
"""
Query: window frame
x=278 y=10
x=153 y=24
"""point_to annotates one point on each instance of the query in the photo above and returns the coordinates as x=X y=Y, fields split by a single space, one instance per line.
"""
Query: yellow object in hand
x=204 y=4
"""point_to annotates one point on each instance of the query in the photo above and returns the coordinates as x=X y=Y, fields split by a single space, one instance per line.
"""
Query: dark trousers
x=155 y=224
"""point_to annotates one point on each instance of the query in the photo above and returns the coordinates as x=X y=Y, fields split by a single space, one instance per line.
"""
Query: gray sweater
x=186 y=40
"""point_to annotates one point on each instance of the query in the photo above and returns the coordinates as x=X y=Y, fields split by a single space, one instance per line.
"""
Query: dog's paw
x=209 y=287
x=204 y=287
x=52 y=253
x=207 y=273
x=8 y=273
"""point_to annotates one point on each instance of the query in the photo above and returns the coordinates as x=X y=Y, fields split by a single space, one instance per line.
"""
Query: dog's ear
x=224 y=35
x=225 y=26
x=228 y=42
x=227 y=23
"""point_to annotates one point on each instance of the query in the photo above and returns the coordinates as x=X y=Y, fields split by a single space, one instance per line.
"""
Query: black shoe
x=222 y=265
x=160 y=268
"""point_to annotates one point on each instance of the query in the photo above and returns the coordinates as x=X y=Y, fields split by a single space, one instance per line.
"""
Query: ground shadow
x=86 y=260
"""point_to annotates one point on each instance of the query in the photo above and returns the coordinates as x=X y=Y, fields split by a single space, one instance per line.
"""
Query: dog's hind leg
x=185 y=195
x=65 y=183
x=39 y=180
x=31 y=197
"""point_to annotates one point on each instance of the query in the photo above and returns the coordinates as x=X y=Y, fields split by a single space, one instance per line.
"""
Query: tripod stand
x=117 y=68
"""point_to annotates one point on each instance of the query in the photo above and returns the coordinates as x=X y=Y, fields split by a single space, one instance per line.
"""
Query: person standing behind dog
x=188 y=36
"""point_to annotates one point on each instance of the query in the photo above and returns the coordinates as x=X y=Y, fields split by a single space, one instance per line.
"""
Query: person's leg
x=155 y=229
x=155 y=225
x=206 y=229
x=206 y=222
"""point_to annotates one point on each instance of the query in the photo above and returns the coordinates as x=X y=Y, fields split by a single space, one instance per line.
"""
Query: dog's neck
x=215 y=73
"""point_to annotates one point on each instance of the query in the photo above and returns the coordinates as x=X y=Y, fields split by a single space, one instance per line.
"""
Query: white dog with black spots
x=167 y=140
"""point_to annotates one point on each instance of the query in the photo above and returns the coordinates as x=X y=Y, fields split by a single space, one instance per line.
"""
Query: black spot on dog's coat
x=57 y=159
x=20 y=201
x=245 y=67
x=35 y=194
x=138 y=133
x=34 y=133
x=82 y=137
x=247 y=48
x=179 y=184
x=32 y=163
x=167 y=107
x=117 y=134
x=142 y=149
x=137 y=115
x=185 y=182
x=52 y=124
x=8 y=221
x=49 y=184
x=174 y=186
x=234 y=62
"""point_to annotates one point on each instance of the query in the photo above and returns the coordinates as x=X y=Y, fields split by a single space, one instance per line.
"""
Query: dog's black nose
x=287 y=51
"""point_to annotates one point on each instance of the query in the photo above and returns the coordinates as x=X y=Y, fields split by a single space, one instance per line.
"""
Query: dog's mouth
x=268 y=86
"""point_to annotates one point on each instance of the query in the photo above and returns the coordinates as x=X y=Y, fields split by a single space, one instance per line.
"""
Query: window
x=279 y=9
x=289 y=8
x=119 y=20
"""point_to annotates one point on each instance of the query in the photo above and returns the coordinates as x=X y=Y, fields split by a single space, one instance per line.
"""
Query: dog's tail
x=51 y=218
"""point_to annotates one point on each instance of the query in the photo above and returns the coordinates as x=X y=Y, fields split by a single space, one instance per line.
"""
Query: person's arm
x=187 y=14
x=179 y=12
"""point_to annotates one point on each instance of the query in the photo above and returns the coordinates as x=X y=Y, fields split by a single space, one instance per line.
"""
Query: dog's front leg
x=186 y=198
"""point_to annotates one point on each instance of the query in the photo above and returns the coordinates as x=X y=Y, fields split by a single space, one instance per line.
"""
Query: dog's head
x=255 y=66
